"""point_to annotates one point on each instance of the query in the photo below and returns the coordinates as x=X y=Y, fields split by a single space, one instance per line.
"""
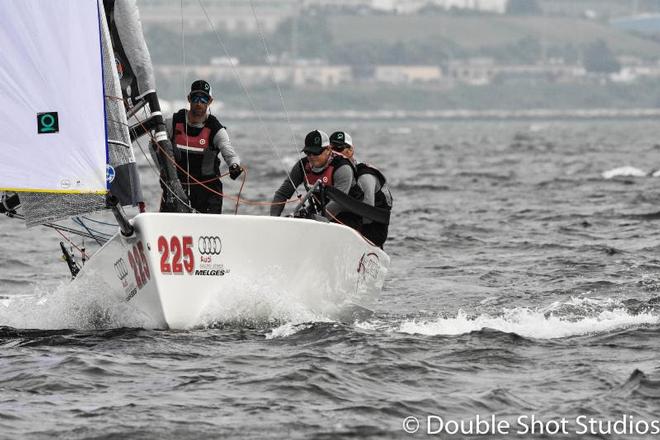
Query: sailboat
x=67 y=93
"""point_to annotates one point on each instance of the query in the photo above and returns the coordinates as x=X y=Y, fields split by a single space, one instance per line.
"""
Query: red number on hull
x=175 y=247
x=139 y=264
x=180 y=250
x=164 y=249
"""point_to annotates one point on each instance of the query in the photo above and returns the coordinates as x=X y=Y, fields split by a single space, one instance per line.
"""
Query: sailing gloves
x=234 y=171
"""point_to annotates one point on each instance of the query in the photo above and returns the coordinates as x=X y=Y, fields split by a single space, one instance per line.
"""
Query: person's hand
x=235 y=171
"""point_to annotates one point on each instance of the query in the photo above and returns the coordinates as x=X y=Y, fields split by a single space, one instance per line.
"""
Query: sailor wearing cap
x=200 y=141
x=373 y=184
x=321 y=163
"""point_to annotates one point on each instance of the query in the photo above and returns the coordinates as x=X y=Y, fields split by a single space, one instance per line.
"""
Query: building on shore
x=472 y=71
x=321 y=75
x=483 y=71
x=407 y=74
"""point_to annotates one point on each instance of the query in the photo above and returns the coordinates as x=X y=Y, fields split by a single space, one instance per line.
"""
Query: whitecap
x=626 y=171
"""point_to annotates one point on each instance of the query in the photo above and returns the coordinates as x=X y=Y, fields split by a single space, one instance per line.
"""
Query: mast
x=138 y=87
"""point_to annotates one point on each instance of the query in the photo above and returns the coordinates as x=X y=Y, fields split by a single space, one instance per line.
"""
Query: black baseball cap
x=316 y=141
x=201 y=86
x=341 y=139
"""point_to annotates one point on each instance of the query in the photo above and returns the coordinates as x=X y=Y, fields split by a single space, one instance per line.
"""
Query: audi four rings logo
x=210 y=245
x=121 y=269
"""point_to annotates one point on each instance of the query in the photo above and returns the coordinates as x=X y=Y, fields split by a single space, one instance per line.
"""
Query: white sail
x=52 y=115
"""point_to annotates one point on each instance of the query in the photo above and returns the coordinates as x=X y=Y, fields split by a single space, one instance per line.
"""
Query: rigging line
x=153 y=167
x=58 y=227
x=171 y=159
x=149 y=159
x=80 y=222
x=238 y=198
x=247 y=94
x=272 y=74
x=226 y=196
x=183 y=79
x=99 y=222
x=83 y=253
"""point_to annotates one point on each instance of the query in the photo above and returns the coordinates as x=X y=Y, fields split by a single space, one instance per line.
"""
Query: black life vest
x=327 y=175
x=383 y=197
x=196 y=152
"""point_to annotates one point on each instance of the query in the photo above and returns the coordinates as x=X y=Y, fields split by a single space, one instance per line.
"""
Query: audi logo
x=211 y=245
x=121 y=269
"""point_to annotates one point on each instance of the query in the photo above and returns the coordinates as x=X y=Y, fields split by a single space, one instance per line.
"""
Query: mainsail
x=38 y=24
x=52 y=97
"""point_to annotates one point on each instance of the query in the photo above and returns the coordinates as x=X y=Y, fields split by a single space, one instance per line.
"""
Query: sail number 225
x=139 y=264
x=181 y=252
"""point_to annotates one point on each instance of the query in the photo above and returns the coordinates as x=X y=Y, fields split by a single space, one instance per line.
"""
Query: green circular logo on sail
x=47 y=122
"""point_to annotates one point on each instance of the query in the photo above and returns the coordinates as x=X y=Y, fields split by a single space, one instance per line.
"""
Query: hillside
x=474 y=32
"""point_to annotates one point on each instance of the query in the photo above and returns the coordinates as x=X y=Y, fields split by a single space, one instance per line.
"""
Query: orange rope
x=203 y=183
x=83 y=253
x=238 y=198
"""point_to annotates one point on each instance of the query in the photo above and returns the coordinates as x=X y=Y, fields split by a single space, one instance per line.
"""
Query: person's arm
x=154 y=150
x=368 y=183
x=343 y=179
x=286 y=189
x=223 y=145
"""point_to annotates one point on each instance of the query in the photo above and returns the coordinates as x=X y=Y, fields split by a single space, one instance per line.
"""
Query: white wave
x=627 y=171
x=286 y=330
x=80 y=307
x=255 y=301
x=531 y=323
x=366 y=325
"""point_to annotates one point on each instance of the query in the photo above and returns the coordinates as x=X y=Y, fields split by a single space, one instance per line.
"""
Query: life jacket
x=327 y=175
x=196 y=153
x=383 y=197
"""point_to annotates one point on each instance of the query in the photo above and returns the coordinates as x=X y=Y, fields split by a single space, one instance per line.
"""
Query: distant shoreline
x=451 y=115
x=227 y=112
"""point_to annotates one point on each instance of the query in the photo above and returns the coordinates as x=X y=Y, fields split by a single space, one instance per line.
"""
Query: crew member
x=199 y=140
x=321 y=163
x=373 y=184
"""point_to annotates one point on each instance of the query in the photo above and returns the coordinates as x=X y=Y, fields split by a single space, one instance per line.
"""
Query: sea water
x=521 y=302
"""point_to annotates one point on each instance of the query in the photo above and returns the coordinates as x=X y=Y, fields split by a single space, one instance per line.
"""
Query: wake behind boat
x=168 y=266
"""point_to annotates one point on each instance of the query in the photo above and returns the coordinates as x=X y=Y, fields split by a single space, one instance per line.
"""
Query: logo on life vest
x=202 y=141
x=325 y=179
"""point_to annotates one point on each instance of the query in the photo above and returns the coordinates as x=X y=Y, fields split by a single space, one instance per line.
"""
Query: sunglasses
x=307 y=153
x=199 y=99
x=339 y=147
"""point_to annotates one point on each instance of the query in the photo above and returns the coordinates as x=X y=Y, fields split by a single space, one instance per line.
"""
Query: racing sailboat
x=66 y=96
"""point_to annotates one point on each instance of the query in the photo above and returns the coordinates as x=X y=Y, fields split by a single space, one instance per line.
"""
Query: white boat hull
x=176 y=265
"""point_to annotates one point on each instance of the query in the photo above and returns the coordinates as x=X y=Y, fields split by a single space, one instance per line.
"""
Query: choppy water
x=523 y=283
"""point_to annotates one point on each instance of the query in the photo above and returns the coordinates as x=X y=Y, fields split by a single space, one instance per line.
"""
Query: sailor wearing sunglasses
x=200 y=141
